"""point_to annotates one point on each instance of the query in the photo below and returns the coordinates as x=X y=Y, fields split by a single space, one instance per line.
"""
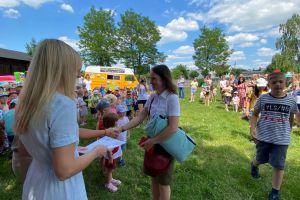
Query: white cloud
x=73 y=43
x=237 y=55
x=175 y=30
x=185 y=49
x=12 y=13
x=182 y=24
x=171 y=12
x=263 y=41
x=189 y=64
x=15 y=3
x=9 y=3
x=168 y=35
x=203 y=3
x=35 y=3
x=67 y=7
x=113 y=12
x=196 y=16
x=172 y=57
x=255 y=15
x=261 y=63
x=273 y=32
x=266 y=51
x=247 y=44
x=242 y=38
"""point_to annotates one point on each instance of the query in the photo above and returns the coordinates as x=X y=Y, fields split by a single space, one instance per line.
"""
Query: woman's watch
x=122 y=129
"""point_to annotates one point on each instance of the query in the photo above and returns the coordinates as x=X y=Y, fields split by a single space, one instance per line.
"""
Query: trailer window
x=110 y=77
x=129 y=78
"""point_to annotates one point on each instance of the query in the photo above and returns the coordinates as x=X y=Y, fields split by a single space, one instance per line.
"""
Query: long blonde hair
x=53 y=68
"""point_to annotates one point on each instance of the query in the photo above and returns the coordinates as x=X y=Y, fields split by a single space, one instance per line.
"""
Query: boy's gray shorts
x=272 y=153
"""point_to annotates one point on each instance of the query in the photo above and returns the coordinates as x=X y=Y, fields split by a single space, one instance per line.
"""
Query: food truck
x=111 y=77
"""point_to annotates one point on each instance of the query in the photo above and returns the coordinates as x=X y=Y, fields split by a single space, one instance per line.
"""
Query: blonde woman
x=47 y=128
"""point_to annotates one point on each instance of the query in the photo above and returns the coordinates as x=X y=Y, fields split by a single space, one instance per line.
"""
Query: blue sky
x=251 y=27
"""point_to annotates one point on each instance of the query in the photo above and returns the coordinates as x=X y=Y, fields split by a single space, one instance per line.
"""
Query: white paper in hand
x=106 y=141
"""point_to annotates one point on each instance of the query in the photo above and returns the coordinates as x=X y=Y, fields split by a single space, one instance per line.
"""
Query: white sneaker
x=116 y=182
x=110 y=187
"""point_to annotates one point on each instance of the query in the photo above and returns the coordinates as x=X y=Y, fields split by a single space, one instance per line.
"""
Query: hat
x=96 y=92
x=12 y=92
x=236 y=92
x=102 y=104
x=261 y=82
x=3 y=94
x=121 y=108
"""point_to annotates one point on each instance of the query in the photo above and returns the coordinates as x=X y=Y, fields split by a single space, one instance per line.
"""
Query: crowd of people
x=45 y=135
x=50 y=117
x=8 y=101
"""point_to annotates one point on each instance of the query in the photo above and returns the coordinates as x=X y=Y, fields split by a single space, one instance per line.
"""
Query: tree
x=193 y=74
x=237 y=71
x=221 y=70
x=98 y=38
x=31 y=46
x=211 y=49
x=289 y=45
x=281 y=61
x=138 y=36
x=180 y=70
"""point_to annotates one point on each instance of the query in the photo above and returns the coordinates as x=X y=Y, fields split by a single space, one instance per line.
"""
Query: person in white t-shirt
x=88 y=82
x=123 y=119
x=223 y=82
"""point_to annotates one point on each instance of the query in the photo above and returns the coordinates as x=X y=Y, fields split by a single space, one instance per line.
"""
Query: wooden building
x=13 y=61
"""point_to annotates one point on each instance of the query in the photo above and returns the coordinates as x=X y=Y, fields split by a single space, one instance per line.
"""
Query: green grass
x=217 y=169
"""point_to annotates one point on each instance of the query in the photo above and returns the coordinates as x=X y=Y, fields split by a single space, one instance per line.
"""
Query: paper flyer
x=106 y=141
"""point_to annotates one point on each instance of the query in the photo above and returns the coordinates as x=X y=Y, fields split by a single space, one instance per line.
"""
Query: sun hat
x=261 y=82
x=3 y=94
x=96 y=92
x=121 y=108
x=103 y=103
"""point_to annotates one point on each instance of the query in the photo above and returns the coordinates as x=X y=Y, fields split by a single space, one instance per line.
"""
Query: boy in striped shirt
x=271 y=130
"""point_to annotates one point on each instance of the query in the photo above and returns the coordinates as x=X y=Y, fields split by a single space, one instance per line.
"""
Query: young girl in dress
x=235 y=101
x=242 y=88
x=110 y=160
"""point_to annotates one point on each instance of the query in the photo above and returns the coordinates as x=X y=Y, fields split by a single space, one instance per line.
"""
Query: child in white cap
x=235 y=101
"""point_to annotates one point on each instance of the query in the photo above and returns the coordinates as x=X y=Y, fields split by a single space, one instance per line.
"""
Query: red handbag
x=156 y=160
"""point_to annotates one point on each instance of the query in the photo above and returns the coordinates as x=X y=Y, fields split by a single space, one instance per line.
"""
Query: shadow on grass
x=223 y=172
x=297 y=132
x=243 y=134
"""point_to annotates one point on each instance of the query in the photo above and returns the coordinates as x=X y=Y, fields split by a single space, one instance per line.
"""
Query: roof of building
x=16 y=55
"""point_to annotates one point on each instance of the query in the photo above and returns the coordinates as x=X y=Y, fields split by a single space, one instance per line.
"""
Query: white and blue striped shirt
x=274 y=122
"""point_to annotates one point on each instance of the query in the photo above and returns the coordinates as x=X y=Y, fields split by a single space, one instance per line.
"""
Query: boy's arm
x=292 y=119
x=253 y=124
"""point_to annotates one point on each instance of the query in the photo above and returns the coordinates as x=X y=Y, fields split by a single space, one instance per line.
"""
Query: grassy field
x=218 y=169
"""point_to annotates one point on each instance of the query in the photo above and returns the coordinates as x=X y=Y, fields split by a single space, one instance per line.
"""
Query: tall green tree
x=180 y=70
x=221 y=70
x=193 y=74
x=31 y=46
x=211 y=49
x=138 y=36
x=289 y=45
x=98 y=38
